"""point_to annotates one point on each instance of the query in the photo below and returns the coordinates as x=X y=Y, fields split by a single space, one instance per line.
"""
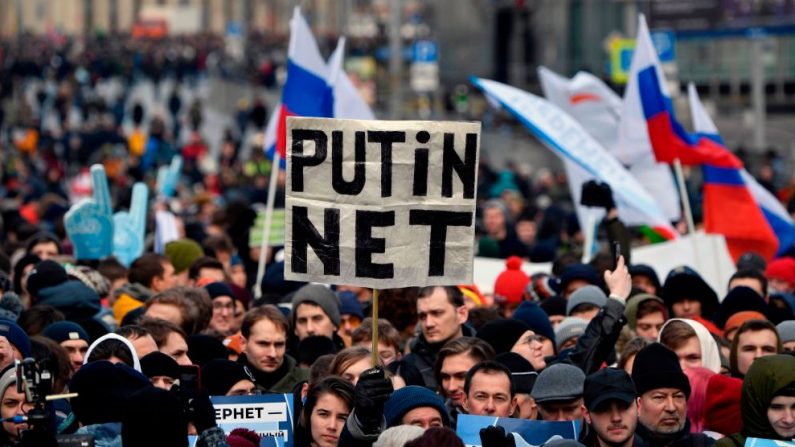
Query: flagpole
x=691 y=227
x=266 y=230
x=590 y=236
x=680 y=181
x=374 y=351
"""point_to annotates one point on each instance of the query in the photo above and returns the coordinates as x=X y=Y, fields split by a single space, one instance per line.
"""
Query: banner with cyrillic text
x=380 y=204
x=270 y=415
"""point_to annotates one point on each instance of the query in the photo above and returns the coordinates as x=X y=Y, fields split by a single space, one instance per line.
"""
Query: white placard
x=380 y=204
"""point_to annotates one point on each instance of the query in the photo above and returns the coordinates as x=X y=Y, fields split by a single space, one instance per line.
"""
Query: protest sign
x=270 y=415
x=525 y=432
x=129 y=227
x=89 y=223
x=760 y=442
x=380 y=204
x=276 y=235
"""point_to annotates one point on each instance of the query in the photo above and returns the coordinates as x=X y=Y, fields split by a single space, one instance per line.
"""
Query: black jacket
x=597 y=344
x=423 y=356
x=682 y=438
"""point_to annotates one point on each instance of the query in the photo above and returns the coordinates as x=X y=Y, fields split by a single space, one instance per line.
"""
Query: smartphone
x=189 y=382
x=616 y=253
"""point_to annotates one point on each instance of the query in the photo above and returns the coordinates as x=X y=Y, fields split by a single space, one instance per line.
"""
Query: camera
x=34 y=380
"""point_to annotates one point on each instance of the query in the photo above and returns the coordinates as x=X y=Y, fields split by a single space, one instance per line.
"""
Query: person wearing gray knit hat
x=316 y=311
x=786 y=331
x=9 y=393
x=585 y=302
x=558 y=391
x=568 y=331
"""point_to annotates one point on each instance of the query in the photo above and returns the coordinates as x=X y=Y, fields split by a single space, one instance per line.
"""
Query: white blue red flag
x=567 y=138
x=313 y=87
x=598 y=109
x=729 y=207
x=776 y=215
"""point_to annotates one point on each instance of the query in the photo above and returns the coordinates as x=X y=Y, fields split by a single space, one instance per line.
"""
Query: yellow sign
x=621 y=59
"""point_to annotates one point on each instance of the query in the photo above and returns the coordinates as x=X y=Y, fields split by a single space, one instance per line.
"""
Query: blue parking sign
x=425 y=51
x=665 y=44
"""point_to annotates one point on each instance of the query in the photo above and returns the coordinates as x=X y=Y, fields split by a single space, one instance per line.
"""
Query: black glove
x=372 y=391
x=494 y=436
x=597 y=194
x=201 y=412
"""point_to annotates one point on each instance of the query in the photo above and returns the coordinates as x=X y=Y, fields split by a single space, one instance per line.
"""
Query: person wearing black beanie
x=45 y=274
x=555 y=308
x=523 y=376
x=102 y=391
x=227 y=378
x=645 y=278
x=73 y=338
x=739 y=299
x=502 y=334
x=161 y=369
x=663 y=390
x=43 y=244
x=223 y=300
x=21 y=270
x=204 y=348
x=312 y=347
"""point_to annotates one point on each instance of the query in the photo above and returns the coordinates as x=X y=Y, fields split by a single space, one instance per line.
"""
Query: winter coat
x=75 y=299
x=292 y=374
x=682 y=438
x=129 y=297
x=423 y=356
x=596 y=345
x=766 y=376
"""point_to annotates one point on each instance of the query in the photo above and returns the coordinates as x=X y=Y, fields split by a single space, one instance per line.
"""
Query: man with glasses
x=223 y=300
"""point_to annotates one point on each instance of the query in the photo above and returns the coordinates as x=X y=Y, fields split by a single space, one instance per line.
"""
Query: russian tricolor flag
x=313 y=87
x=729 y=207
x=306 y=91
x=776 y=215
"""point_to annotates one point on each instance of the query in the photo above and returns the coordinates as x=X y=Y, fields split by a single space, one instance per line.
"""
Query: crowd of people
x=637 y=360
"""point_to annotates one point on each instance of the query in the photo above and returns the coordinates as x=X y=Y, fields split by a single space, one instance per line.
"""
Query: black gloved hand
x=372 y=391
x=597 y=194
x=494 y=436
x=200 y=411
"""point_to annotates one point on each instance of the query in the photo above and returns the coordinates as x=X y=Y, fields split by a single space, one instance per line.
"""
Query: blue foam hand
x=129 y=227
x=89 y=223
x=168 y=178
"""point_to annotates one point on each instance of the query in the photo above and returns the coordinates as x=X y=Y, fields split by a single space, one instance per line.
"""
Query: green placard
x=277 y=229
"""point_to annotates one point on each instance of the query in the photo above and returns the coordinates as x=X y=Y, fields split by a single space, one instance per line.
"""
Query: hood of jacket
x=75 y=299
x=766 y=376
x=710 y=353
x=134 y=290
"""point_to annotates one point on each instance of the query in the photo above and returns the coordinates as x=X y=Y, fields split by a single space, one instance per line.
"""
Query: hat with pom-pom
x=511 y=283
x=10 y=306
x=243 y=437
